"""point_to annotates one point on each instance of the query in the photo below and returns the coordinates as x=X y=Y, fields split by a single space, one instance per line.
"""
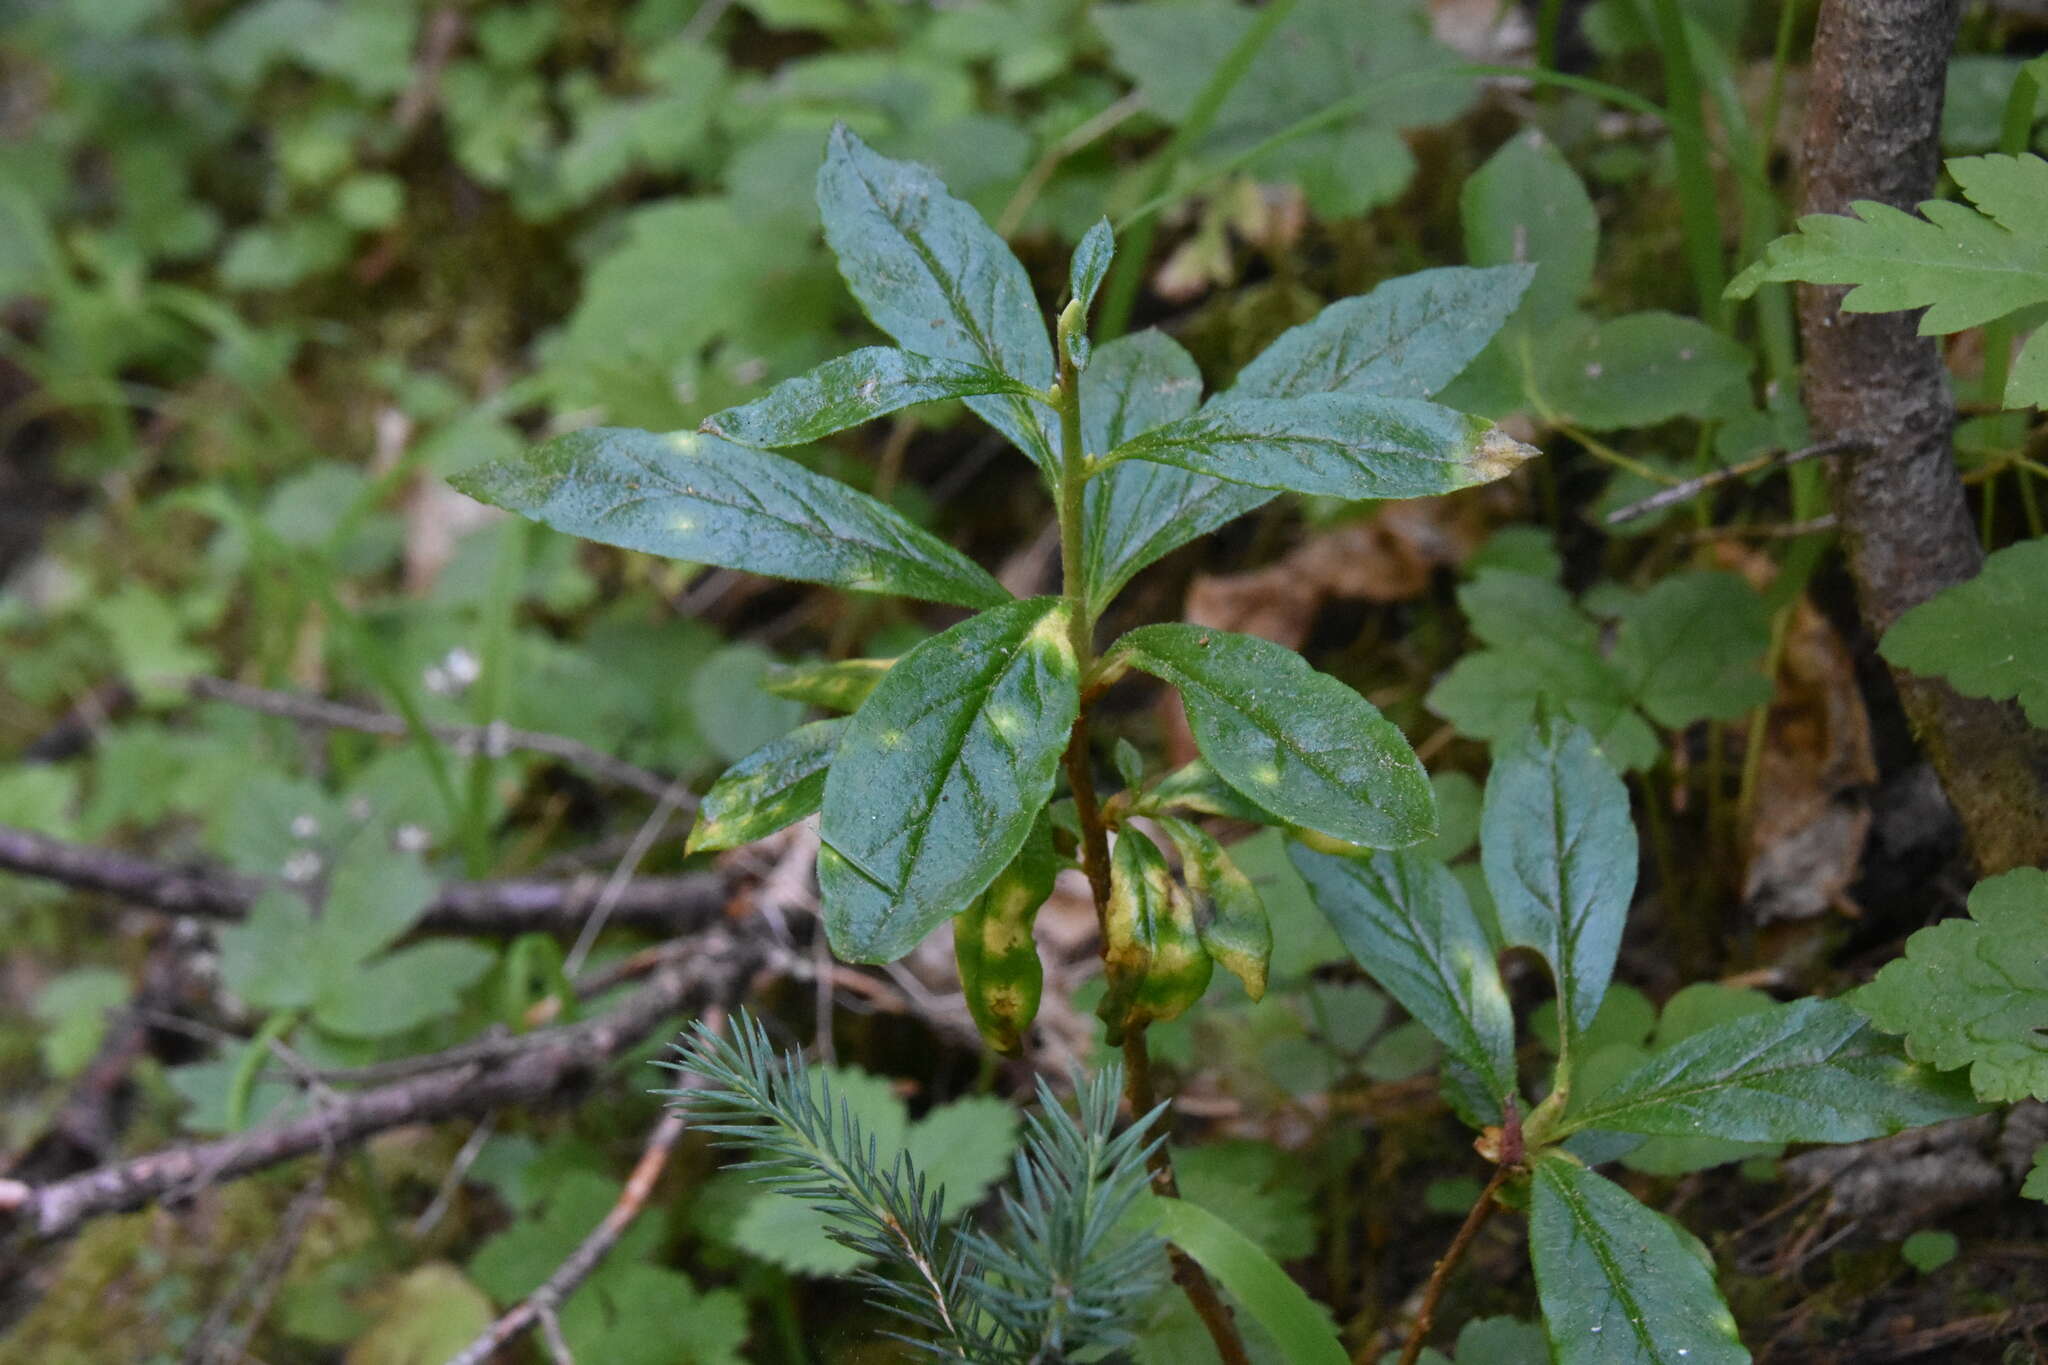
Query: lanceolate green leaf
x=1988 y=636
x=1809 y=1071
x=1406 y=339
x=694 y=497
x=852 y=389
x=940 y=774
x=936 y=277
x=776 y=785
x=1301 y=1330
x=1410 y=925
x=1297 y=742
x=841 y=685
x=1560 y=857
x=1091 y=263
x=1138 y=511
x=1619 y=1284
x=1339 y=445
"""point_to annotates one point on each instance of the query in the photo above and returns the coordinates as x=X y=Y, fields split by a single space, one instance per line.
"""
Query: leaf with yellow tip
x=1228 y=912
x=775 y=786
x=841 y=685
x=1338 y=445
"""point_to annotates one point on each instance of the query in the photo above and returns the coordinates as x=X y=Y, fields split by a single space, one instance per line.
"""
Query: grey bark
x=1873 y=132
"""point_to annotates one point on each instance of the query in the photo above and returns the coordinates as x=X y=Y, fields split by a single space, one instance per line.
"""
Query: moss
x=135 y=1287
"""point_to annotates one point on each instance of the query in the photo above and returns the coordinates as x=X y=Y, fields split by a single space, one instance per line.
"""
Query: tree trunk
x=1873 y=132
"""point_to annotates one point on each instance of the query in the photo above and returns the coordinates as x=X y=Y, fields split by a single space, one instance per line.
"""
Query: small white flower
x=455 y=674
x=304 y=827
x=410 y=838
x=302 y=867
x=463 y=666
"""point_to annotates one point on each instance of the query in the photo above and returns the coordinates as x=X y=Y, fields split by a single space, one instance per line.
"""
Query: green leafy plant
x=966 y=733
x=1986 y=635
x=934 y=786
x=1969 y=992
x=1617 y=1281
x=1685 y=650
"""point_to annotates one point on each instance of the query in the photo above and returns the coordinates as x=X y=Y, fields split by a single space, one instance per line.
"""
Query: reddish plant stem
x=1193 y=1282
x=1072 y=483
x=1432 y=1294
x=1138 y=1091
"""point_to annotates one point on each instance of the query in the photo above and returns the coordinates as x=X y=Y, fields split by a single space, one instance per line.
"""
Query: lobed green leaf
x=694 y=497
x=400 y=991
x=1987 y=636
x=1692 y=648
x=1974 y=992
x=1964 y=267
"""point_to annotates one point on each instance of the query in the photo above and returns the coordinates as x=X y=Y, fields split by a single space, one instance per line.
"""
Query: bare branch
x=549 y=1065
x=539 y=1307
x=494 y=739
x=217 y=1342
x=1680 y=492
x=673 y=905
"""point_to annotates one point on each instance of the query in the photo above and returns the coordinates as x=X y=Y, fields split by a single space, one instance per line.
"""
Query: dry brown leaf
x=1387 y=558
x=1811 y=815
